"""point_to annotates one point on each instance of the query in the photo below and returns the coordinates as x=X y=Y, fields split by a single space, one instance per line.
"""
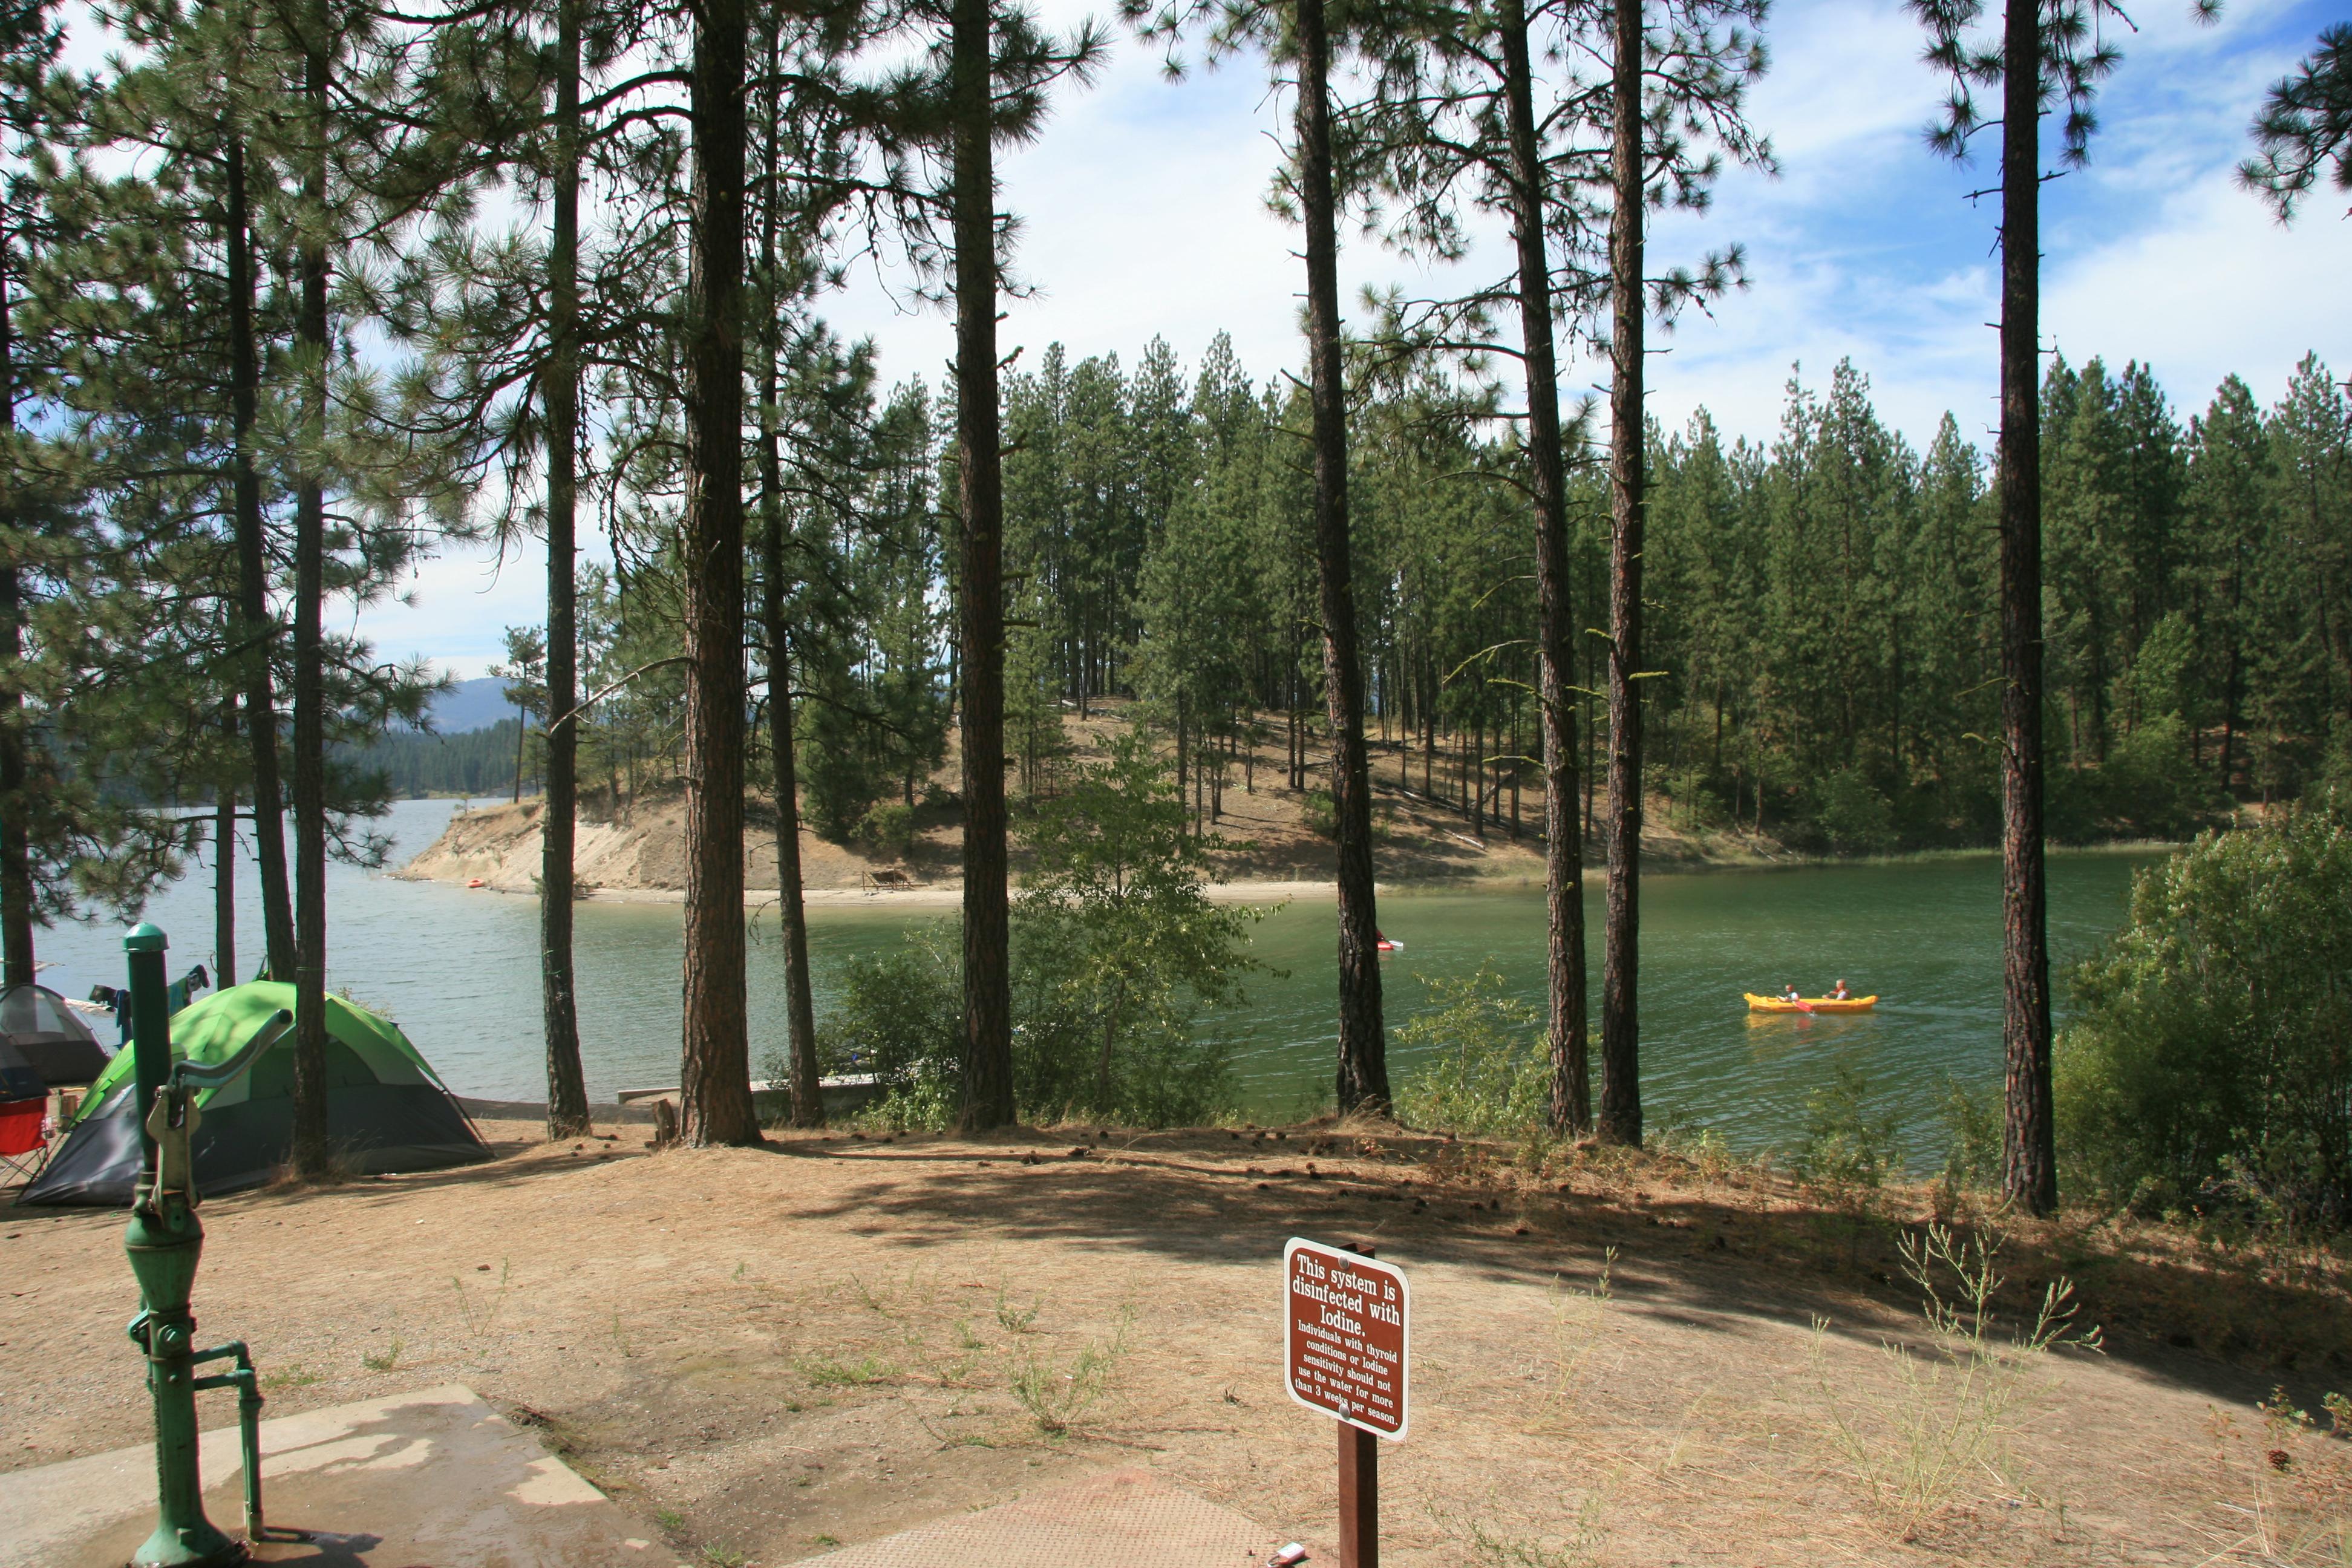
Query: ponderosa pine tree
x=567 y=1089
x=980 y=472
x=992 y=83
x=184 y=450
x=1453 y=122
x=771 y=289
x=2048 y=49
x=715 y=1063
x=2306 y=126
x=1620 y=1120
x=34 y=107
x=360 y=167
x=1532 y=187
x=1363 y=1075
x=1456 y=120
x=515 y=328
x=254 y=622
x=1301 y=39
x=1709 y=56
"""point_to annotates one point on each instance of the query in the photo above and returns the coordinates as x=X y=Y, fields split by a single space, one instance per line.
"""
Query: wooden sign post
x=1347 y=1350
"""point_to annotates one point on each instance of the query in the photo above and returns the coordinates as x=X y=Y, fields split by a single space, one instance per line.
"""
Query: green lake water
x=458 y=970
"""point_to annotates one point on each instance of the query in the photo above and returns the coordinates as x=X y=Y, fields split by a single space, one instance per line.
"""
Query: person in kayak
x=1789 y=993
x=1841 y=993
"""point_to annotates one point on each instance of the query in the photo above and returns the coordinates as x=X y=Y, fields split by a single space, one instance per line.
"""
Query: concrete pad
x=430 y=1479
x=1122 y=1518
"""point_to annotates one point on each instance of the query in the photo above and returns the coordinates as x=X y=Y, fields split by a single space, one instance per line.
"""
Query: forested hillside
x=469 y=761
x=1822 y=662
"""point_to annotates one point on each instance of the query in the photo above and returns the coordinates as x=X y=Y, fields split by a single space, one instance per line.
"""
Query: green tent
x=387 y=1110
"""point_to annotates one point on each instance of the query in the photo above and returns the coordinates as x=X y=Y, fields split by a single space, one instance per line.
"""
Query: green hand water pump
x=165 y=1241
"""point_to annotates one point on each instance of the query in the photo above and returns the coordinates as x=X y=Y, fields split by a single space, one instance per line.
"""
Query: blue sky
x=1144 y=211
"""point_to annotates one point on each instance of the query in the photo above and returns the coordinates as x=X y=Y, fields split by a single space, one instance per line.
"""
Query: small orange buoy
x=476 y=882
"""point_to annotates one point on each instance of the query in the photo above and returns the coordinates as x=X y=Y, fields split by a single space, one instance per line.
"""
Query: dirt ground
x=1262 y=832
x=765 y=1352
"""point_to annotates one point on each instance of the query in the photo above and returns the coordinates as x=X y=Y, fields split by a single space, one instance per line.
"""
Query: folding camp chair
x=24 y=1137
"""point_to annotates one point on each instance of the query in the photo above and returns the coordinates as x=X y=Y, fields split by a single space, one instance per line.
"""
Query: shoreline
x=1275 y=891
x=930 y=895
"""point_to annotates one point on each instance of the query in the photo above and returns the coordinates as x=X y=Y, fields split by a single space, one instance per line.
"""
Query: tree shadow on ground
x=1736 y=1256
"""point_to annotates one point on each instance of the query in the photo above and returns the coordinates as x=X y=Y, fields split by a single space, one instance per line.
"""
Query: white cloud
x=2211 y=286
x=462 y=601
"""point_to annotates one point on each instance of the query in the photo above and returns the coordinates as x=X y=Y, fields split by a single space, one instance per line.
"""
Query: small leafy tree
x=2211 y=1046
x=899 y=1019
x=1487 y=1071
x=1117 y=949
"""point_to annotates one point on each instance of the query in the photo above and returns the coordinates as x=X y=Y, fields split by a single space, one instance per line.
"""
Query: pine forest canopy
x=1821 y=632
x=293 y=296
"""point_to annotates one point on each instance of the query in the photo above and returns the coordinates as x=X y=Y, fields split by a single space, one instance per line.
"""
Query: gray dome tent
x=50 y=1036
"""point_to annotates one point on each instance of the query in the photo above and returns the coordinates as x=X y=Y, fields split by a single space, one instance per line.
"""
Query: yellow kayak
x=1810 y=1005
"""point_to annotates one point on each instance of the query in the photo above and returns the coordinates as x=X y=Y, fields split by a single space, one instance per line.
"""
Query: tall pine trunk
x=2030 y=1163
x=567 y=1089
x=1620 y=1082
x=225 y=871
x=791 y=912
x=254 y=630
x=792 y=917
x=15 y=841
x=714 y=1072
x=987 y=964
x=1363 y=1075
x=1571 y=1108
x=16 y=845
x=309 y=1140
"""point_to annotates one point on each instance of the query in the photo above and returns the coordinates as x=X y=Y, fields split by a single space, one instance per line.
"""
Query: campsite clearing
x=764 y=1352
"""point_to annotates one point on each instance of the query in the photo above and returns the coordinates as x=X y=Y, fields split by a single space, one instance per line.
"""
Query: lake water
x=458 y=970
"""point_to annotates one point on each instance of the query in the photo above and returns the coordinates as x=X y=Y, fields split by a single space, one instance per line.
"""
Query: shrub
x=1489 y=1073
x=2210 y=1051
x=2150 y=786
x=901 y=1017
x=1972 y=1134
x=887 y=828
x=1852 y=813
x=1694 y=802
x=1322 y=814
x=1844 y=1149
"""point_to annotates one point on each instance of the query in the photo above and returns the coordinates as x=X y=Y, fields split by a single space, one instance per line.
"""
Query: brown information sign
x=1346 y=1328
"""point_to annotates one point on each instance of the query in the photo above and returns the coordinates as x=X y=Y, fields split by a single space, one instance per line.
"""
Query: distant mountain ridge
x=474 y=704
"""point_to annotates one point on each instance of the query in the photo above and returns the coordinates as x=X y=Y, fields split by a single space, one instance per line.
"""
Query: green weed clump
x=826 y=1371
x=1943 y=1418
x=1057 y=1397
x=1496 y=1537
x=481 y=1311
